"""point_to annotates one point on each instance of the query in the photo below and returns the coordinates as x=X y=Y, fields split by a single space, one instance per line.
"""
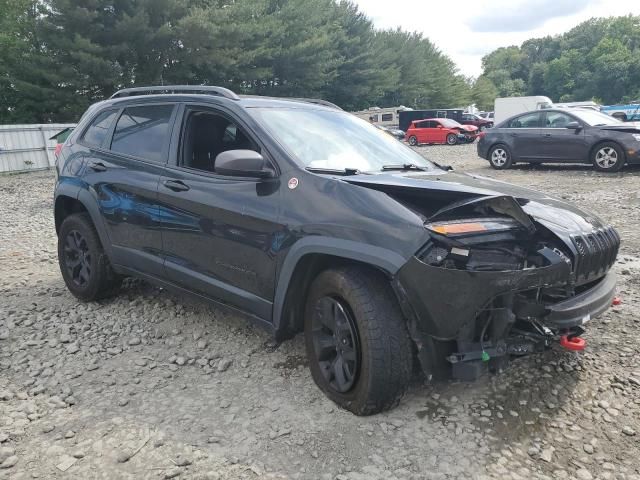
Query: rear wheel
x=83 y=263
x=359 y=351
x=452 y=139
x=607 y=157
x=500 y=157
x=413 y=141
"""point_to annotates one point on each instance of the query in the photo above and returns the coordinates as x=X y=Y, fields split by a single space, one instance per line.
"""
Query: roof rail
x=317 y=101
x=202 y=89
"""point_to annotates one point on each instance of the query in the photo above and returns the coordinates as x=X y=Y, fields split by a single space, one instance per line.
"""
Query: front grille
x=596 y=252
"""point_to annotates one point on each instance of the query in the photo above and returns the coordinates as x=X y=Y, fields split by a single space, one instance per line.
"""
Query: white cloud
x=467 y=31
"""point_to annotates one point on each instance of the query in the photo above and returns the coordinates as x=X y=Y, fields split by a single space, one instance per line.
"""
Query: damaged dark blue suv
x=305 y=218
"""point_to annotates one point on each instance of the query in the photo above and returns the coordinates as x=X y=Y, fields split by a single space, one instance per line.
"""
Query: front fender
x=382 y=258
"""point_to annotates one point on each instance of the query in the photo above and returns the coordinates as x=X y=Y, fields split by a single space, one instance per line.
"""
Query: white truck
x=509 y=106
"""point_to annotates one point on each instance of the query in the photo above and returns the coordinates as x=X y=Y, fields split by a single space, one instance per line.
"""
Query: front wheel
x=607 y=157
x=359 y=351
x=413 y=141
x=452 y=139
x=500 y=157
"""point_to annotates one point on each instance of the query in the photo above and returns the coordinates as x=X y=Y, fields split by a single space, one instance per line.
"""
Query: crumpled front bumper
x=589 y=304
x=443 y=301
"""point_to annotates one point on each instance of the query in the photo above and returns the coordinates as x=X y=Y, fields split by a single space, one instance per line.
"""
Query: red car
x=477 y=120
x=440 y=130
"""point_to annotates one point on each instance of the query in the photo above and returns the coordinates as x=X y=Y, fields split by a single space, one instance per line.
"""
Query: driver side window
x=205 y=135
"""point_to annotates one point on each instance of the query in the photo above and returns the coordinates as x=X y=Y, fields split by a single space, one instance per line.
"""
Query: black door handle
x=97 y=167
x=176 y=185
x=513 y=134
x=547 y=134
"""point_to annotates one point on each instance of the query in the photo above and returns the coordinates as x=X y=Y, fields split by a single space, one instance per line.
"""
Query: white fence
x=27 y=147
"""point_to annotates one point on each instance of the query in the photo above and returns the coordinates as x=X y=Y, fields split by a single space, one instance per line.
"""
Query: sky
x=467 y=30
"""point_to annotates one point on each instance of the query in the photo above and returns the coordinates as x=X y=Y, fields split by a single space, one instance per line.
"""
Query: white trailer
x=509 y=106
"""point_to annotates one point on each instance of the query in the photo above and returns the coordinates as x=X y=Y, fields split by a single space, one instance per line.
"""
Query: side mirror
x=574 y=126
x=242 y=163
x=440 y=126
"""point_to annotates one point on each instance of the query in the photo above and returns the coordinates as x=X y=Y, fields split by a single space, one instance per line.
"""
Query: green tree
x=484 y=93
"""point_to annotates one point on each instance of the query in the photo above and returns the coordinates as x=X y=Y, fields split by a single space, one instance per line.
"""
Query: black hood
x=561 y=217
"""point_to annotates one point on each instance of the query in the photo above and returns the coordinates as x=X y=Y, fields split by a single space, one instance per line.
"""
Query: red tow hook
x=576 y=344
x=616 y=301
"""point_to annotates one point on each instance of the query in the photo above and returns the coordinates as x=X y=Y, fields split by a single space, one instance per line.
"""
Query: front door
x=219 y=233
x=126 y=151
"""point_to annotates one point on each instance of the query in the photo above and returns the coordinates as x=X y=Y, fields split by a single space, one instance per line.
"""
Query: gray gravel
x=149 y=385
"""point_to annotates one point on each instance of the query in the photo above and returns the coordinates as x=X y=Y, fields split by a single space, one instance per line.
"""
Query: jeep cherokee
x=306 y=218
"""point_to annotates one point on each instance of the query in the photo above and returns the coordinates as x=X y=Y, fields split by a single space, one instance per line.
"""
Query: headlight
x=636 y=136
x=472 y=226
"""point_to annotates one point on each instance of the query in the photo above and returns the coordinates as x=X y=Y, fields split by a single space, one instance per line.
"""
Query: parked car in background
x=509 y=106
x=406 y=117
x=486 y=115
x=440 y=130
x=476 y=120
x=394 y=132
x=625 y=113
x=564 y=136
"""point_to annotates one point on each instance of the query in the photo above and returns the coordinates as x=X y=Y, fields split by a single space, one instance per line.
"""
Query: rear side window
x=530 y=120
x=143 y=132
x=95 y=134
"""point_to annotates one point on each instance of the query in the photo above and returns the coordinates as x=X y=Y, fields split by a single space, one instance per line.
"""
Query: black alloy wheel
x=336 y=343
x=77 y=258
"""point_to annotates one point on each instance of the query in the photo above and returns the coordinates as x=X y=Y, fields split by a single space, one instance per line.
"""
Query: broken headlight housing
x=466 y=227
x=478 y=244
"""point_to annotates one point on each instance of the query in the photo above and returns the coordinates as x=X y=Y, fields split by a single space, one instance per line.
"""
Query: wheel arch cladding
x=312 y=255
x=77 y=200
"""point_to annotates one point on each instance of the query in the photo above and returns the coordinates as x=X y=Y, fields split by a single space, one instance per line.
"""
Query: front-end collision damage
x=492 y=282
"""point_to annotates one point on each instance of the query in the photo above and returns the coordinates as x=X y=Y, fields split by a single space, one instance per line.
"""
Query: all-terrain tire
x=385 y=351
x=99 y=281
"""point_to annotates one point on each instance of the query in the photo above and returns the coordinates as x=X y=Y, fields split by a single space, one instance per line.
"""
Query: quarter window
x=530 y=120
x=143 y=132
x=387 y=117
x=97 y=131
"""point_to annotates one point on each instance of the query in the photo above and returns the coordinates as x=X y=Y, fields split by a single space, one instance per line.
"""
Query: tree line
x=597 y=60
x=59 y=56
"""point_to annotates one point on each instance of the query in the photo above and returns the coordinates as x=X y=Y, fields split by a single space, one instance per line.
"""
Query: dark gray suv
x=562 y=136
x=307 y=219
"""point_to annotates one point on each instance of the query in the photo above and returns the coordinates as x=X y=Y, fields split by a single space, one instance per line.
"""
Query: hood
x=441 y=188
x=468 y=128
x=631 y=127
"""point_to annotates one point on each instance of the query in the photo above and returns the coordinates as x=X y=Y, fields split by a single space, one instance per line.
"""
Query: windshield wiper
x=404 y=166
x=334 y=171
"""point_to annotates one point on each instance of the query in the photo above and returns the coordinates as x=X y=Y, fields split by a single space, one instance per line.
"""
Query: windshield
x=592 y=118
x=335 y=140
x=447 y=122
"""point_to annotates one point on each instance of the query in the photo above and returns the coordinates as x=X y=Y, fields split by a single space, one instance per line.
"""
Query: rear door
x=125 y=161
x=420 y=131
x=561 y=144
x=523 y=135
x=220 y=234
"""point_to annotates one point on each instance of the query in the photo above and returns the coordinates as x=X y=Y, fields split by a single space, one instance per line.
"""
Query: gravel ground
x=150 y=385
